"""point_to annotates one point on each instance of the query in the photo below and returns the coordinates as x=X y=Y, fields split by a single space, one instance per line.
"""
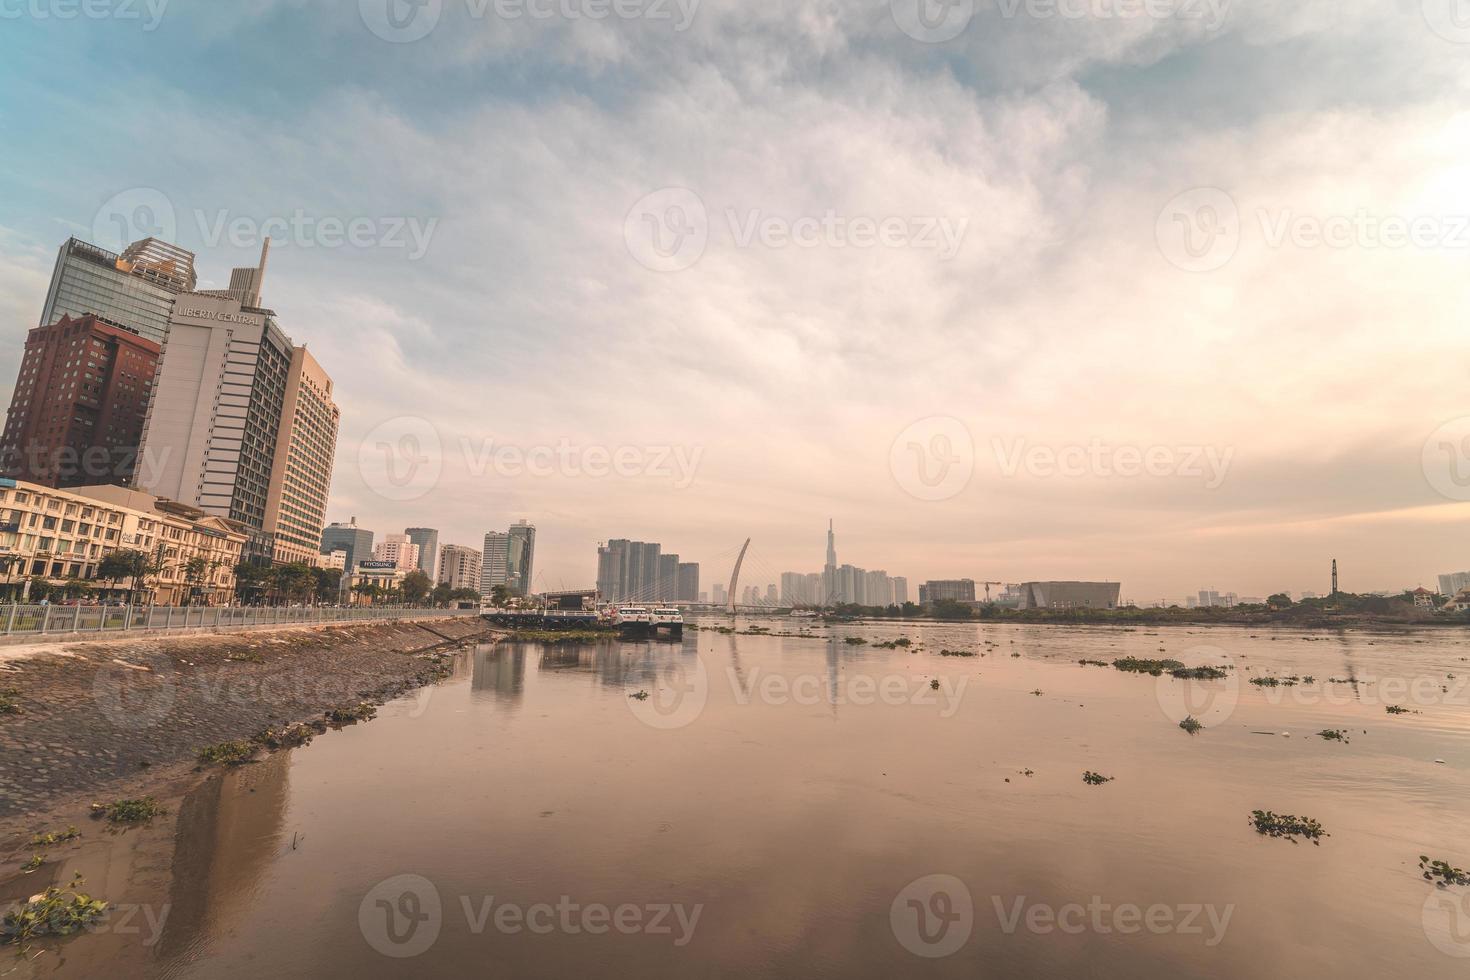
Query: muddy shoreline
x=99 y=721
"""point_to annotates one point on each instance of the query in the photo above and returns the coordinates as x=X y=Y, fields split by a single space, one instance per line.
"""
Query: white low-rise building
x=63 y=535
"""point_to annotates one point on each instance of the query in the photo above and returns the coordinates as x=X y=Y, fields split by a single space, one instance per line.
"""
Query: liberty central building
x=242 y=422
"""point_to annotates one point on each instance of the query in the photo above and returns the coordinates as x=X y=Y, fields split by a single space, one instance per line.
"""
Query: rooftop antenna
x=258 y=280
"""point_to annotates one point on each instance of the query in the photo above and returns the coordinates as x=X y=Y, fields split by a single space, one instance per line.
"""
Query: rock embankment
x=90 y=719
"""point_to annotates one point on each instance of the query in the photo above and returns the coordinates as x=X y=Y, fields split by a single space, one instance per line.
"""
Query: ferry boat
x=639 y=622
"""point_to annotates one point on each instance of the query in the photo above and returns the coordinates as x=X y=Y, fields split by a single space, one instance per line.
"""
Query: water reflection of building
x=606 y=661
x=229 y=832
x=499 y=673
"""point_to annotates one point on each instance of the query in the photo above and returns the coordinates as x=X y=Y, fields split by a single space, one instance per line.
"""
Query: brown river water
x=803 y=806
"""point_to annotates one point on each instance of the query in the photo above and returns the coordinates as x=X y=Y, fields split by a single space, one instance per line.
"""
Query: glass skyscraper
x=134 y=290
x=521 y=556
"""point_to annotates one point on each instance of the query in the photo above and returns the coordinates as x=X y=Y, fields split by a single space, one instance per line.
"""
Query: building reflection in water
x=229 y=832
x=499 y=673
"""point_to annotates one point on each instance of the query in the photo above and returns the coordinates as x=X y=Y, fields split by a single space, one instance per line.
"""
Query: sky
x=1166 y=292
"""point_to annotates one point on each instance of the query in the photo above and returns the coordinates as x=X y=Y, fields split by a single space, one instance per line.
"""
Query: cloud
x=1048 y=145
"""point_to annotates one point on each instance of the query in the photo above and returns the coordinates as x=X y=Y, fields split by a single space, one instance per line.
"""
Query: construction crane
x=987 y=589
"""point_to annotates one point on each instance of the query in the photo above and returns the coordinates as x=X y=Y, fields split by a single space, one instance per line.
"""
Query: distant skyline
x=1173 y=302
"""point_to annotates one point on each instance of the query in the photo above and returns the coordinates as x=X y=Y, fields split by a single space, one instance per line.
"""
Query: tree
x=416 y=586
x=328 y=584
x=196 y=573
x=1279 y=601
x=499 y=595
x=442 y=594
x=117 y=565
x=951 y=609
x=294 y=582
x=126 y=563
x=40 y=588
x=252 y=579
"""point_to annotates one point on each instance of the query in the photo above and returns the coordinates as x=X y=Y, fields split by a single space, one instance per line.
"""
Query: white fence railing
x=37 y=619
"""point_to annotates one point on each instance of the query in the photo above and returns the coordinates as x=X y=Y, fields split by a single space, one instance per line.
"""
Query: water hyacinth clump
x=1199 y=673
x=55 y=912
x=55 y=837
x=128 y=811
x=351 y=715
x=1095 y=778
x=1442 y=873
x=1192 y=725
x=1135 y=665
x=235 y=753
x=1288 y=826
x=290 y=736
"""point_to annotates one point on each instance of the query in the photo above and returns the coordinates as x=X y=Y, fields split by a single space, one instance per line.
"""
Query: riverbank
x=127 y=717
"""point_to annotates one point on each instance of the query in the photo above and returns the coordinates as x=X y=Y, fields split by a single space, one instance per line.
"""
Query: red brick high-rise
x=76 y=418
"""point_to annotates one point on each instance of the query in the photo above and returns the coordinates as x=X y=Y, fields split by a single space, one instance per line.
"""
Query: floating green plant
x=1288 y=826
x=1094 y=663
x=34 y=864
x=956 y=653
x=1334 y=734
x=1442 y=873
x=362 y=711
x=855 y=641
x=290 y=736
x=1096 y=779
x=934 y=684
x=1155 y=667
x=639 y=695
x=128 y=811
x=55 y=837
x=1199 y=673
x=1398 y=709
x=54 y=912
x=227 y=753
x=1192 y=725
